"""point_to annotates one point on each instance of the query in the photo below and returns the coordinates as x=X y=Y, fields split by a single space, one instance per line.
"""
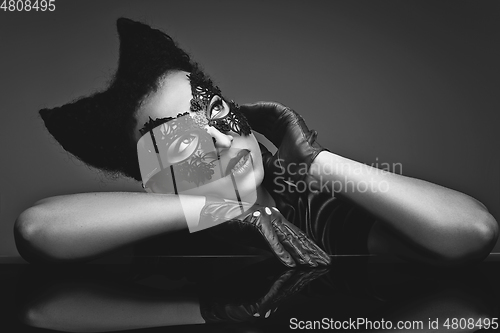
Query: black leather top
x=335 y=224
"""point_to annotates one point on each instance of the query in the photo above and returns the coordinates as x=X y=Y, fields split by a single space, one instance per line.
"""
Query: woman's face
x=231 y=152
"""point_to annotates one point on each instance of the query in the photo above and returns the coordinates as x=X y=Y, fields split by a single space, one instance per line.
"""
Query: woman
x=157 y=83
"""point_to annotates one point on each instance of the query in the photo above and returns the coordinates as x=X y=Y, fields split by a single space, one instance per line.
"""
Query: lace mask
x=204 y=91
x=175 y=151
x=178 y=155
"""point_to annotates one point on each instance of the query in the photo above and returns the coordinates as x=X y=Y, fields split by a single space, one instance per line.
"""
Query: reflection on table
x=252 y=294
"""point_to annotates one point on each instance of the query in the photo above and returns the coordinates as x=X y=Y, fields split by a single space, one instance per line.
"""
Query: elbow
x=486 y=234
x=478 y=238
x=25 y=235
x=30 y=237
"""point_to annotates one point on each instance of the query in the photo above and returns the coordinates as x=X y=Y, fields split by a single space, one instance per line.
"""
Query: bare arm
x=86 y=225
x=81 y=227
x=443 y=222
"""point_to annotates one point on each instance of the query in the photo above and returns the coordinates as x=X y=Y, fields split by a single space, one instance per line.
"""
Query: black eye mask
x=203 y=91
x=177 y=149
x=178 y=154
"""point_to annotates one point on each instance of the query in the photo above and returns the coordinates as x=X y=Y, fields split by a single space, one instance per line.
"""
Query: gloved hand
x=229 y=301
x=262 y=227
x=287 y=130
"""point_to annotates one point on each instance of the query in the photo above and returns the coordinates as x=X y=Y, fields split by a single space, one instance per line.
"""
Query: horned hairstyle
x=98 y=129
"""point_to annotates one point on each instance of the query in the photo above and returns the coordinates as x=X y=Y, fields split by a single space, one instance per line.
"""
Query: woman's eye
x=182 y=148
x=185 y=143
x=217 y=109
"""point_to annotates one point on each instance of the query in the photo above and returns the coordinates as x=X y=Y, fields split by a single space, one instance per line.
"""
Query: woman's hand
x=263 y=227
x=287 y=130
x=235 y=308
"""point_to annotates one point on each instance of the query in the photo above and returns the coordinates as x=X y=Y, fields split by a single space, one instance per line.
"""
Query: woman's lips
x=232 y=163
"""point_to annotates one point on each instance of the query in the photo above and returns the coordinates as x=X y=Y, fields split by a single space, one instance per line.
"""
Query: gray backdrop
x=409 y=82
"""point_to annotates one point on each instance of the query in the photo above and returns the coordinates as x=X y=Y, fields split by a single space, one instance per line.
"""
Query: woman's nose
x=221 y=140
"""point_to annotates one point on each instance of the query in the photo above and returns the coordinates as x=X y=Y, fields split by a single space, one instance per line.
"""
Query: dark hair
x=98 y=129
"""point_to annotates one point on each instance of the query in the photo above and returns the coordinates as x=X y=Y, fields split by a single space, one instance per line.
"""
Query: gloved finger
x=318 y=251
x=315 y=144
x=303 y=278
x=265 y=227
x=262 y=109
x=272 y=119
x=314 y=250
x=292 y=244
x=289 y=283
x=277 y=286
x=300 y=242
x=325 y=257
x=311 y=243
x=306 y=247
x=311 y=136
x=317 y=254
x=262 y=115
x=276 y=293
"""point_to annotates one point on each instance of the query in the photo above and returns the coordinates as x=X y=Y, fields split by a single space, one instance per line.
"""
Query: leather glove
x=262 y=227
x=229 y=301
x=287 y=130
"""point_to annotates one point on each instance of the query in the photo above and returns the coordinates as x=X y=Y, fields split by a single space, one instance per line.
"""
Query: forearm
x=86 y=225
x=428 y=214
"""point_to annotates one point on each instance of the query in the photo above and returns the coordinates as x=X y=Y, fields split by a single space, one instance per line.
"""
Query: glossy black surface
x=154 y=293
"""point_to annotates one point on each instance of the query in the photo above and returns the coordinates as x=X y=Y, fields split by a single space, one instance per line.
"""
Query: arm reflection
x=250 y=297
x=84 y=306
x=76 y=303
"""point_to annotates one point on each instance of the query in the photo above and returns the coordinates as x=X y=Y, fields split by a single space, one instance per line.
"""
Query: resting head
x=190 y=138
x=156 y=81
